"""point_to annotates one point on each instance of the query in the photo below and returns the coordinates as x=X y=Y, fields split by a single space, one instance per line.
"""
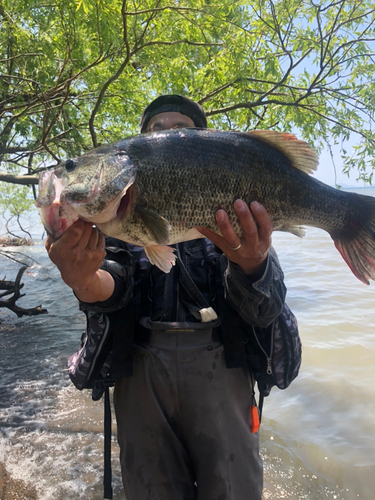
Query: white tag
x=207 y=314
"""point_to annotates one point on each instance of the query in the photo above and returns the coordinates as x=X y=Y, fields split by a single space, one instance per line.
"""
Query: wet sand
x=14 y=489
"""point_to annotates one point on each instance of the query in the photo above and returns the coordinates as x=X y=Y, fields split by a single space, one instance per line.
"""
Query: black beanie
x=183 y=105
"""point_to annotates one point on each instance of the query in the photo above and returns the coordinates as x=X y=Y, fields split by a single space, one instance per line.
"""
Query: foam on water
x=51 y=434
x=318 y=436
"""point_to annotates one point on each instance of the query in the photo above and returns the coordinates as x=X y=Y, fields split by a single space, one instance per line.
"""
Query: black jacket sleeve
x=259 y=303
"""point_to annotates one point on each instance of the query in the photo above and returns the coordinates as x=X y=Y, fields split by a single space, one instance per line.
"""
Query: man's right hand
x=78 y=254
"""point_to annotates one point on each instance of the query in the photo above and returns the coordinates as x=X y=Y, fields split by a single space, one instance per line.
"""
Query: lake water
x=318 y=436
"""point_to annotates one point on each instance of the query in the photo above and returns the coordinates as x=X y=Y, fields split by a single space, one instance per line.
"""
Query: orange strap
x=254 y=419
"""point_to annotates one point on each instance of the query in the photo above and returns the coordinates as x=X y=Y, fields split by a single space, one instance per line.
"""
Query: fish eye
x=70 y=165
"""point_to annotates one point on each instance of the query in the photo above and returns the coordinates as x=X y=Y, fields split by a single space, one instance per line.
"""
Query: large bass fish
x=154 y=189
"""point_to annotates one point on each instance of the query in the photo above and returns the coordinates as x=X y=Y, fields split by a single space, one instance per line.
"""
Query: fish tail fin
x=356 y=242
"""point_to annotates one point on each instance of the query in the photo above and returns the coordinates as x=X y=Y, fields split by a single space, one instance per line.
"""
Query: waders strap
x=260 y=406
x=107 y=480
x=202 y=310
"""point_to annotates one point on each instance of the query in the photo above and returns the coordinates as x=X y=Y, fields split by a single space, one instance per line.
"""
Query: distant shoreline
x=9 y=241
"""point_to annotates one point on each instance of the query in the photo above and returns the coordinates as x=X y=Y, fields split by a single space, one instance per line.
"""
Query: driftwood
x=14 y=287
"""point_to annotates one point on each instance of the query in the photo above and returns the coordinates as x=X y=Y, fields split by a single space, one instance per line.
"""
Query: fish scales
x=154 y=189
x=194 y=178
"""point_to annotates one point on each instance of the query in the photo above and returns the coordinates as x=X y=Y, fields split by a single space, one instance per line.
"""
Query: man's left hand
x=249 y=251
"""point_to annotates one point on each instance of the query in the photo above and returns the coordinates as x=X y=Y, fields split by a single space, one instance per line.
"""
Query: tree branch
x=176 y=42
x=110 y=80
x=25 y=180
x=11 y=302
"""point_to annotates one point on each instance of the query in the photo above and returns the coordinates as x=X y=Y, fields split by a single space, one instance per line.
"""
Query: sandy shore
x=14 y=489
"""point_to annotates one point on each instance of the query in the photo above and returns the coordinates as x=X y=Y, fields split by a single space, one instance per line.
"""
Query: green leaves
x=77 y=73
x=85 y=5
x=15 y=200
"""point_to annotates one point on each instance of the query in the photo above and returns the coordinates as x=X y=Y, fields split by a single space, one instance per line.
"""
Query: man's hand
x=78 y=254
x=251 y=250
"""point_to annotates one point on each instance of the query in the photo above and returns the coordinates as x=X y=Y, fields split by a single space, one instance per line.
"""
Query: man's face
x=169 y=120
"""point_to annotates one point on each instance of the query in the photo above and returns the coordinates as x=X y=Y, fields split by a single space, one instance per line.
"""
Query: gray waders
x=183 y=419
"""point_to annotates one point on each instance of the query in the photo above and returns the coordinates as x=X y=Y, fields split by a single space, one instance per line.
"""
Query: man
x=183 y=416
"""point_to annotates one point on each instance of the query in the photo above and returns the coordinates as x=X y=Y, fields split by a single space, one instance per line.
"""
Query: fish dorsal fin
x=300 y=154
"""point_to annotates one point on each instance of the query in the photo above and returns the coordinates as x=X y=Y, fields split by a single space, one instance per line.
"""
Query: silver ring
x=237 y=248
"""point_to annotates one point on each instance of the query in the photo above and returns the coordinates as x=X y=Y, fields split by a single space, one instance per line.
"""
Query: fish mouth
x=57 y=218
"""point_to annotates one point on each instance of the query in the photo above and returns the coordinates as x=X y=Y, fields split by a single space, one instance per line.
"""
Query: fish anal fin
x=301 y=155
x=158 y=227
x=296 y=230
x=161 y=256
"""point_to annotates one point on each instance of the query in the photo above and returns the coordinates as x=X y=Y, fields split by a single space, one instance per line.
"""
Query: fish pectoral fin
x=300 y=154
x=296 y=230
x=161 y=256
x=158 y=227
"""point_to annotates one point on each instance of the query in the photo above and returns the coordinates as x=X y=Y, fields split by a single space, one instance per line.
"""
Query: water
x=318 y=436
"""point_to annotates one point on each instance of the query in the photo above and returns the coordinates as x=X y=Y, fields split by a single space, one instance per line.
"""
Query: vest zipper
x=268 y=357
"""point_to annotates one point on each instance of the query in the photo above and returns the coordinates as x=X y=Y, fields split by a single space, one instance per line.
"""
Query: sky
x=326 y=170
